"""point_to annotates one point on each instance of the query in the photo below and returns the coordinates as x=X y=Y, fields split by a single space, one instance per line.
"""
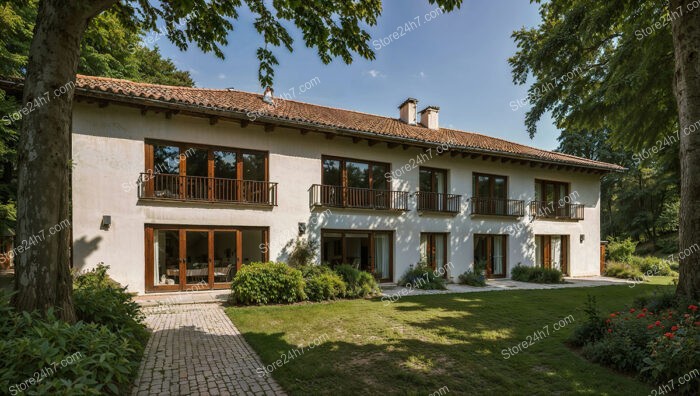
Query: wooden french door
x=187 y=258
x=490 y=252
x=552 y=251
x=434 y=250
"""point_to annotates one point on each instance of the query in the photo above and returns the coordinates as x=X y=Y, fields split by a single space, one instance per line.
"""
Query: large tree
x=628 y=66
x=334 y=27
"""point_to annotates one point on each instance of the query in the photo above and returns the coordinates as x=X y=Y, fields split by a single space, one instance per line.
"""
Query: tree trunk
x=686 y=43
x=42 y=273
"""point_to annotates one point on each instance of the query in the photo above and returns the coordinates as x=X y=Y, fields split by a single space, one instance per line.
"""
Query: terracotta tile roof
x=199 y=99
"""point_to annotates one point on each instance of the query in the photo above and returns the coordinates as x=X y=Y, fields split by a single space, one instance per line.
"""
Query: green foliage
x=360 y=284
x=303 y=252
x=654 y=343
x=592 y=329
x=657 y=301
x=267 y=283
x=620 y=250
x=422 y=277
x=472 y=279
x=86 y=358
x=536 y=274
x=622 y=270
x=651 y=266
x=100 y=300
x=322 y=283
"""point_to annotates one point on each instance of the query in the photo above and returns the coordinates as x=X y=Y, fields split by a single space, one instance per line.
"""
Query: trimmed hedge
x=322 y=283
x=267 y=283
x=472 y=279
x=360 y=284
x=536 y=274
x=422 y=277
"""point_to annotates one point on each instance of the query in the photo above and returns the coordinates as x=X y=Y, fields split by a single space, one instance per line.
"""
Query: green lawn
x=423 y=343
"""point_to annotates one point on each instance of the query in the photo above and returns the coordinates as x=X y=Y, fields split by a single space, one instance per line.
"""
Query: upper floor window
x=433 y=180
x=550 y=191
x=355 y=173
x=554 y=200
x=490 y=186
x=197 y=172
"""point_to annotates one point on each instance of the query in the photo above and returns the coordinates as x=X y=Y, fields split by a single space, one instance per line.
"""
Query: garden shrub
x=68 y=359
x=622 y=270
x=267 y=283
x=472 y=279
x=322 y=283
x=422 y=277
x=536 y=274
x=303 y=253
x=656 y=301
x=651 y=266
x=655 y=345
x=620 y=250
x=100 y=300
x=359 y=284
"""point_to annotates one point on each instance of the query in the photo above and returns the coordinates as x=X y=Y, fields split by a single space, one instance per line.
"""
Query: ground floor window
x=490 y=253
x=552 y=251
x=200 y=257
x=433 y=250
x=370 y=251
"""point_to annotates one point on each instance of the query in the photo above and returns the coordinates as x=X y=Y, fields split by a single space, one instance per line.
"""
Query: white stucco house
x=178 y=186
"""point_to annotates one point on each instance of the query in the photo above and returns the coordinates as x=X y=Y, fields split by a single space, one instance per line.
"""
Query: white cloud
x=421 y=74
x=375 y=73
x=221 y=76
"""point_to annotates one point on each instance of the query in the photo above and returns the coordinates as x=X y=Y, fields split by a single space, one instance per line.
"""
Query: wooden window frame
x=182 y=230
x=344 y=172
x=432 y=247
x=546 y=251
x=433 y=179
x=489 y=248
x=372 y=258
x=544 y=182
x=492 y=185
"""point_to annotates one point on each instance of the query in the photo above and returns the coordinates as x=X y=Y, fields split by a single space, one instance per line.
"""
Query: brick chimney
x=407 y=111
x=429 y=117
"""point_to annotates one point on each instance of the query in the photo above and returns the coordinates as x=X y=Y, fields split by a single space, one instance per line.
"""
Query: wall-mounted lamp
x=582 y=238
x=302 y=228
x=106 y=222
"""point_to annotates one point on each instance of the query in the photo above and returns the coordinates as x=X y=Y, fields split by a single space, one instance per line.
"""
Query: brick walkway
x=196 y=350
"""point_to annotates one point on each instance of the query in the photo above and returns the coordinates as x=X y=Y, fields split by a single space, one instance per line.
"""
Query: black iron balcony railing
x=438 y=202
x=556 y=210
x=162 y=186
x=497 y=207
x=358 y=198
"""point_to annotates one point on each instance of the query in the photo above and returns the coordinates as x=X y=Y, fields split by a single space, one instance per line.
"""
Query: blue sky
x=457 y=61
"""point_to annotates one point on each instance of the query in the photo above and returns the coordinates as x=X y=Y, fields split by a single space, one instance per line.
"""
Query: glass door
x=166 y=259
x=197 y=258
x=225 y=255
x=490 y=253
x=382 y=256
x=197 y=171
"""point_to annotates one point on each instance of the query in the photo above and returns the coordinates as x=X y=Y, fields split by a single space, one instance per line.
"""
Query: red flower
x=669 y=336
x=697 y=323
x=657 y=323
x=674 y=328
x=612 y=315
x=693 y=307
x=641 y=315
x=632 y=310
x=686 y=316
x=607 y=320
x=644 y=309
x=609 y=330
x=650 y=327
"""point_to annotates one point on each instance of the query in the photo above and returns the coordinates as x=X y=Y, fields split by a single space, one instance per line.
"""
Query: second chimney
x=407 y=111
x=429 y=117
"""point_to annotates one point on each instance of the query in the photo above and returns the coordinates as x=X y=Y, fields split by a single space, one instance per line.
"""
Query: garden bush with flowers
x=656 y=345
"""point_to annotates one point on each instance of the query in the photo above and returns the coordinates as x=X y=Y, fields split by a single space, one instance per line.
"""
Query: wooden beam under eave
x=494 y=159
x=144 y=110
x=269 y=128
x=304 y=131
x=454 y=153
x=485 y=157
x=102 y=104
x=533 y=164
x=392 y=145
x=168 y=115
x=464 y=155
x=405 y=146
x=213 y=120
x=543 y=165
x=329 y=135
x=504 y=160
x=245 y=123
x=473 y=156
x=356 y=139
x=523 y=162
x=371 y=143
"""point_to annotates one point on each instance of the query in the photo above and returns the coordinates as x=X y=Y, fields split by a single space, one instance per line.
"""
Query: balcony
x=438 y=202
x=169 y=187
x=556 y=210
x=497 y=207
x=357 y=198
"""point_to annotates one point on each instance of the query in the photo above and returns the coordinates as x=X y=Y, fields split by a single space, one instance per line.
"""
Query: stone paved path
x=196 y=350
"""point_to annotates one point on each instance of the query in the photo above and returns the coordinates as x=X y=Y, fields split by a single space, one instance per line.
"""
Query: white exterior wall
x=108 y=151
